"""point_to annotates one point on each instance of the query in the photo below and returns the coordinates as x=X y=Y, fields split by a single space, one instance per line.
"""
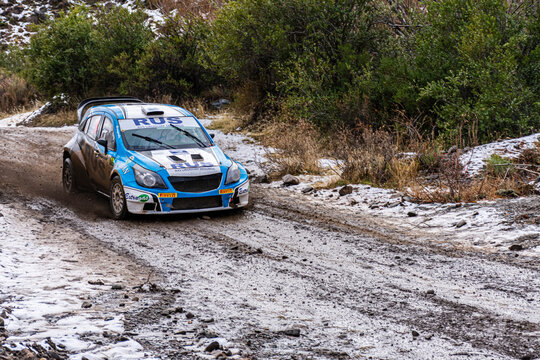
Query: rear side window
x=107 y=133
x=92 y=126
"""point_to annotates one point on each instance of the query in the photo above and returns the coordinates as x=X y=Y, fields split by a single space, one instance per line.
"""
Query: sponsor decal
x=131 y=197
x=157 y=122
x=226 y=191
x=194 y=171
x=167 y=195
x=243 y=191
x=153 y=121
x=187 y=165
x=140 y=198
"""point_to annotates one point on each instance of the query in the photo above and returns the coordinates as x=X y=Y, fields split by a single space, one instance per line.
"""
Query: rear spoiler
x=85 y=104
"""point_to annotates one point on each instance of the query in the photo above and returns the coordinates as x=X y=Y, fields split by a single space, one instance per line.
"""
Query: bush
x=172 y=63
x=60 y=57
x=305 y=51
x=121 y=37
x=470 y=56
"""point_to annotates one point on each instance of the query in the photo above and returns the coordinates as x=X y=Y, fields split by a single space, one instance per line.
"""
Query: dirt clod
x=214 y=345
x=86 y=305
x=292 y=332
x=346 y=190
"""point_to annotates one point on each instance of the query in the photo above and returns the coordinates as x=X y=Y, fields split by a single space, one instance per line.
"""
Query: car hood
x=186 y=162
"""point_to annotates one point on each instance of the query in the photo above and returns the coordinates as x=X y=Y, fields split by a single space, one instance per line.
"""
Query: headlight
x=233 y=174
x=147 y=178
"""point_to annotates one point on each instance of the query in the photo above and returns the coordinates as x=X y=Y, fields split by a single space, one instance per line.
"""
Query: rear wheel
x=68 y=177
x=117 y=199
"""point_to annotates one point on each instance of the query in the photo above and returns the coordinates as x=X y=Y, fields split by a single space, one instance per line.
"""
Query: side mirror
x=212 y=135
x=103 y=143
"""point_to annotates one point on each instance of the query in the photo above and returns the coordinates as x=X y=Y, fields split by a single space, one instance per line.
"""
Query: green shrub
x=498 y=166
x=60 y=57
x=121 y=38
x=470 y=55
x=172 y=64
x=310 y=55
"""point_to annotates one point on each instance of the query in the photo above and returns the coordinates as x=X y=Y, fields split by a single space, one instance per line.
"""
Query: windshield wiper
x=153 y=140
x=199 y=141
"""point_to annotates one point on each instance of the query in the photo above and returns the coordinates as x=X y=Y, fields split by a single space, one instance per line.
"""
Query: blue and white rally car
x=150 y=159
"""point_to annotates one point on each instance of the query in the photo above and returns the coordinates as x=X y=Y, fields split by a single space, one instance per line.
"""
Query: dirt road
x=288 y=279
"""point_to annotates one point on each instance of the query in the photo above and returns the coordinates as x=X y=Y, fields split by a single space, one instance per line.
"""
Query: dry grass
x=197 y=107
x=227 y=122
x=486 y=188
x=15 y=93
x=247 y=99
x=501 y=178
x=371 y=157
x=58 y=119
x=297 y=148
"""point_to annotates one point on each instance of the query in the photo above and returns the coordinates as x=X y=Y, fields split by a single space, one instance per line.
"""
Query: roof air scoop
x=151 y=111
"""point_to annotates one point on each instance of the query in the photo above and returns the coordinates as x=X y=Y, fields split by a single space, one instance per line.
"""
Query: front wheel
x=68 y=177
x=117 y=199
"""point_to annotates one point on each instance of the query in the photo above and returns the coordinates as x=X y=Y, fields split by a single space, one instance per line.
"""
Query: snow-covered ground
x=16 y=16
x=483 y=225
x=45 y=285
x=14 y=119
x=474 y=158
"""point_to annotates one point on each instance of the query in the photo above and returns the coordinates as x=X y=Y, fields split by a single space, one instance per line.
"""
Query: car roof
x=142 y=110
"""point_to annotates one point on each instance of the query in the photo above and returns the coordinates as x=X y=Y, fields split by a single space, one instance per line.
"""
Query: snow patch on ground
x=14 y=119
x=44 y=286
x=474 y=158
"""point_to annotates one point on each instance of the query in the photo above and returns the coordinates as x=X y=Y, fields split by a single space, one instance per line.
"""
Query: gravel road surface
x=285 y=279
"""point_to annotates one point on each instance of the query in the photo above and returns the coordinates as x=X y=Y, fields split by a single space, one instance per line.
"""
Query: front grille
x=204 y=202
x=196 y=184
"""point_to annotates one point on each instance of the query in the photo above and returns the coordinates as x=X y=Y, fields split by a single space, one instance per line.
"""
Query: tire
x=68 y=177
x=117 y=199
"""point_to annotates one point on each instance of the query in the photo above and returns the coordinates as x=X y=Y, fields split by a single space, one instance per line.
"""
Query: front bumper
x=163 y=201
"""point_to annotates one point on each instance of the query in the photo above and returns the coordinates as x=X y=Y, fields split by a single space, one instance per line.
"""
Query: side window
x=92 y=127
x=82 y=125
x=107 y=133
x=85 y=125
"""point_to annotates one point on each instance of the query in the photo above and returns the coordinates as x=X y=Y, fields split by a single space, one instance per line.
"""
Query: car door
x=87 y=143
x=105 y=157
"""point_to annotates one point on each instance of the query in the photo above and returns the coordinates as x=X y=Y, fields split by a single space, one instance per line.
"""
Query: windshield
x=155 y=133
